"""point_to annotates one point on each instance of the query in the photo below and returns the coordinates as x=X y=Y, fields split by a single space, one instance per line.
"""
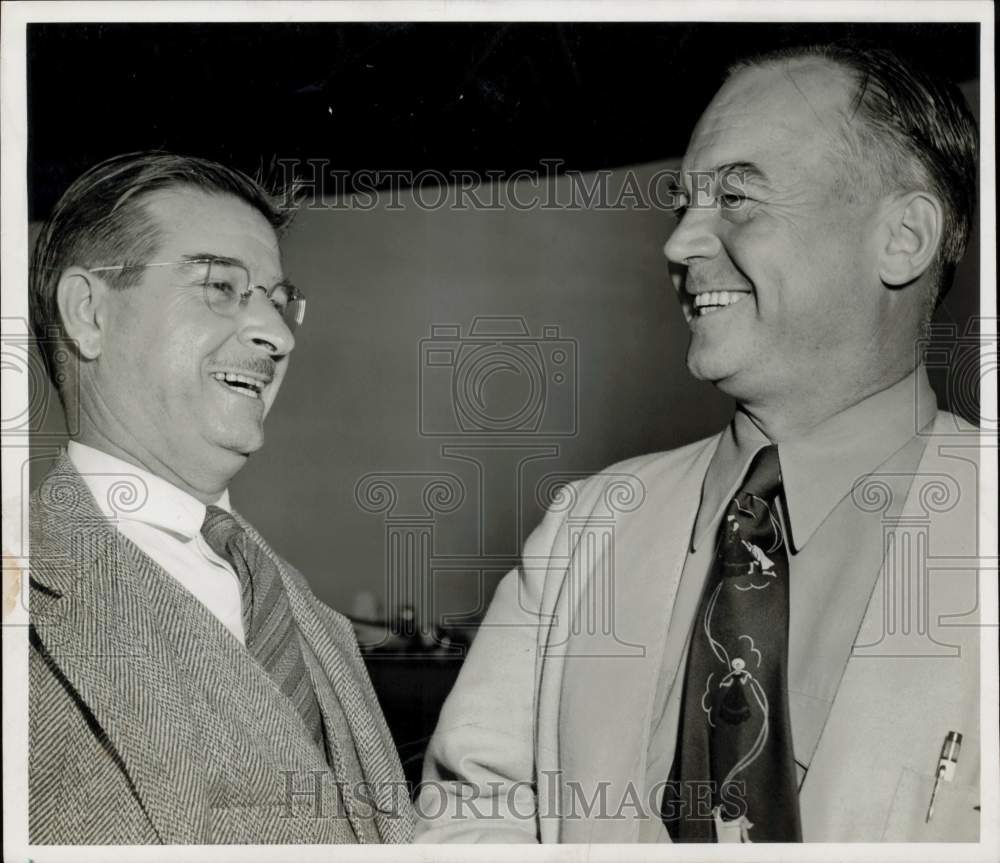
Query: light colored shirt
x=164 y=523
x=834 y=552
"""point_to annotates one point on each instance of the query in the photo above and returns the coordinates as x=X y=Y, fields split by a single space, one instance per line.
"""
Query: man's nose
x=695 y=237
x=263 y=326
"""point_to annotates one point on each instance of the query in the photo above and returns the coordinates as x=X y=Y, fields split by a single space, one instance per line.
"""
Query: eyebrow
x=201 y=257
x=748 y=170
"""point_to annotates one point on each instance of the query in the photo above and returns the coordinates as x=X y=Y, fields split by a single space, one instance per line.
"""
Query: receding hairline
x=182 y=189
x=145 y=202
x=809 y=64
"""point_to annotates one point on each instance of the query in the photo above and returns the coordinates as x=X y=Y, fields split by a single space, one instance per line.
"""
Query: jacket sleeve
x=479 y=773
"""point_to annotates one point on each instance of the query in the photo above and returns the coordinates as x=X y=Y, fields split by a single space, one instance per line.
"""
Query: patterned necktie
x=734 y=743
x=272 y=636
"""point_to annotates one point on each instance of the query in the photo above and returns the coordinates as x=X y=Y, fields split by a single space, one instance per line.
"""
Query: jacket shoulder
x=656 y=463
x=623 y=486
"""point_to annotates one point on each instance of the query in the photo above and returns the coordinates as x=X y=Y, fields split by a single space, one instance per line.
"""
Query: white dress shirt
x=165 y=523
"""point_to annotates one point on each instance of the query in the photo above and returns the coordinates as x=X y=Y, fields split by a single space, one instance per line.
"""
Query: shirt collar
x=740 y=442
x=821 y=467
x=154 y=501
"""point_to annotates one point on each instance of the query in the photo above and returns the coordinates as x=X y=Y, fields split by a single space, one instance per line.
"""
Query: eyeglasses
x=227 y=287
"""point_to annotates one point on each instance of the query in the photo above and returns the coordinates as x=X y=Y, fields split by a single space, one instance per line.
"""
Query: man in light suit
x=748 y=638
x=186 y=686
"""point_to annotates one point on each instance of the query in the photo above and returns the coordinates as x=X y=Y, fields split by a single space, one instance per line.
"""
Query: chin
x=712 y=366
x=724 y=360
x=240 y=445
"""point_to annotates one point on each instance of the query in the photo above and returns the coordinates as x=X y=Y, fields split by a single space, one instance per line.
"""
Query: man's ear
x=80 y=296
x=914 y=225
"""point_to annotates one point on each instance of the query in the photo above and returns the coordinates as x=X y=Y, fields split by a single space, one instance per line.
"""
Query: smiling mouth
x=241 y=384
x=708 y=302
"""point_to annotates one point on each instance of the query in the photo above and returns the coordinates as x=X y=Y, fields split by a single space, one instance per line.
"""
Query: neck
x=206 y=491
x=789 y=418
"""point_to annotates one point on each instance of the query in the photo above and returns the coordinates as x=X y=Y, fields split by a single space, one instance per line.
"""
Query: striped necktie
x=272 y=637
x=734 y=743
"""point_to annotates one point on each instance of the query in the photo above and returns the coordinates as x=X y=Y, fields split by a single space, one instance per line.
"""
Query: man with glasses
x=185 y=684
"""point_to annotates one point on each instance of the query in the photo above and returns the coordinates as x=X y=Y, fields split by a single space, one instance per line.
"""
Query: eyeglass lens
x=226 y=290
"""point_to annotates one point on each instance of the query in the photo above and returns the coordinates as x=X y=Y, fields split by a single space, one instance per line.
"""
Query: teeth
x=711 y=301
x=249 y=387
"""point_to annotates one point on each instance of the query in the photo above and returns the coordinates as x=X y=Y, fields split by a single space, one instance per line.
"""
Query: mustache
x=262 y=366
x=696 y=281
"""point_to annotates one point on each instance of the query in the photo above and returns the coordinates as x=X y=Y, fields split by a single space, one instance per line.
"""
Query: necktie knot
x=219 y=529
x=763 y=479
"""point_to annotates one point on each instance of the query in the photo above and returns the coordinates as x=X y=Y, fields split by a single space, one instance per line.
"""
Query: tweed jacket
x=545 y=736
x=150 y=723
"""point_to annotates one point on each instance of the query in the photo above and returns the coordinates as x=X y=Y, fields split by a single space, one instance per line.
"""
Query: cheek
x=163 y=360
x=771 y=260
x=798 y=266
x=275 y=386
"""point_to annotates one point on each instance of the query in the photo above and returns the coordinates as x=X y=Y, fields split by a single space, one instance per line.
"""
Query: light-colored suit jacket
x=150 y=723
x=545 y=735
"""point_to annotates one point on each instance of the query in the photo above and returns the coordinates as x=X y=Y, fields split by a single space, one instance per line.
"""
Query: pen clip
x=947 y=763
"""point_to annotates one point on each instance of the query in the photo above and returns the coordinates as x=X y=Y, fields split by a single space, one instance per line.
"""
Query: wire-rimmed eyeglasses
x=228 y=287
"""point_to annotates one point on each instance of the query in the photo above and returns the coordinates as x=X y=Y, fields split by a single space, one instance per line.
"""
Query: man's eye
x=279 y=299
x=732 y=202
x=220 y=286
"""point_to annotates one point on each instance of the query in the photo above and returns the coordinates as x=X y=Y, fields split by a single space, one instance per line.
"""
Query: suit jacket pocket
x=955 y=817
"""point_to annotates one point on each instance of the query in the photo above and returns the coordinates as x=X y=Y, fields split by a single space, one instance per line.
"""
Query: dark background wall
x=368 y=409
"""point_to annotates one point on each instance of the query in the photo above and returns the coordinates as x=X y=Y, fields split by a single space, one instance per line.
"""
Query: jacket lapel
x=96 y=624
x=610 y=669
x=330 y=637
x=909 y=685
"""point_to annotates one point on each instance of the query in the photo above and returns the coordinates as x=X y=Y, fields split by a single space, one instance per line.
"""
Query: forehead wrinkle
x=723 y=151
